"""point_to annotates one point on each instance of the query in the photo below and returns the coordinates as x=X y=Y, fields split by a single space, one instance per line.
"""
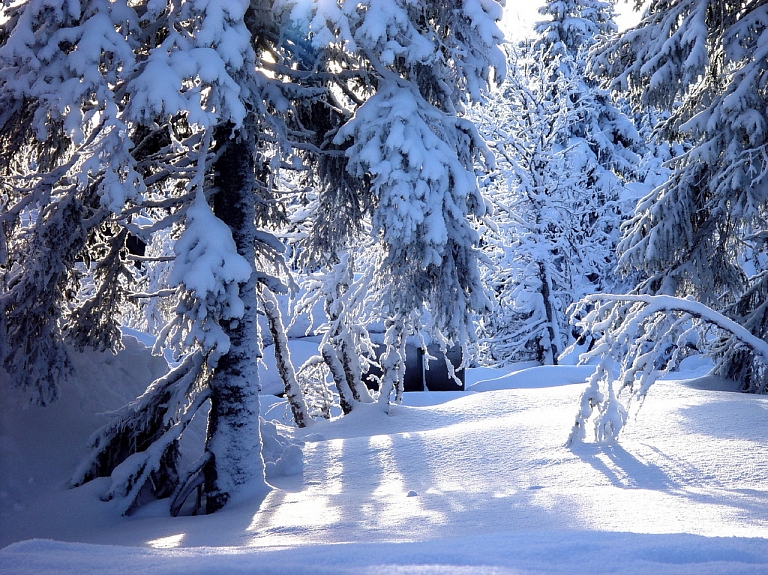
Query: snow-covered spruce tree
x=413 y=67
x=156 y=110
x=612 y=142
x=702 y=233
x=217 y=311
x=573 y=26
x=603 y=140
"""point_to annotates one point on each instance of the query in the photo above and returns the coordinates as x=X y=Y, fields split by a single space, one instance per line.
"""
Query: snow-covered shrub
x=345 y=347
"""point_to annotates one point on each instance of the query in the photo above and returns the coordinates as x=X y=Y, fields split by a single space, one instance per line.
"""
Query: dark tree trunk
x=550 y=353
x=234 y=440
x=346 y=400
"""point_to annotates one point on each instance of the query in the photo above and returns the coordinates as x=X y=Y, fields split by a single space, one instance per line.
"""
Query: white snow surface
x=459 y=483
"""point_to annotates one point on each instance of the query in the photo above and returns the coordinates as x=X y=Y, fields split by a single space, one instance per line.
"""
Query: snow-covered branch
x=644 y=337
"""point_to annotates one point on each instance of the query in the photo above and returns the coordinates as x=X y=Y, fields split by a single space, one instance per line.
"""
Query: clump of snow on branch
x=211 y=53
x=207 y=269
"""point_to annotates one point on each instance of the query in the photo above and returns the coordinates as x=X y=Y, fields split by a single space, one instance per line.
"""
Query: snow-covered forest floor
x=464 y=482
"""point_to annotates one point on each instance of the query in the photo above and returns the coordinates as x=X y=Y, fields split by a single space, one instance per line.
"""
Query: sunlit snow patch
x=167 y=542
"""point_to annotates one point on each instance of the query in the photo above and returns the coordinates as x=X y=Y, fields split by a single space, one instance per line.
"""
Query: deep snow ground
x=474 y=482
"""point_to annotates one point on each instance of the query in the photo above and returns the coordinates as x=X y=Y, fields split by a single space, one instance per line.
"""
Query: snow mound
x=40 y=446
x=533 y=553
x=282 y=455
x=535 y=377
x=457 y=484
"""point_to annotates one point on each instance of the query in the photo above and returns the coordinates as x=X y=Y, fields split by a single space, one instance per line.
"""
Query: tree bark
x=337 y=372
x=550 y=353
x=234 y=439
x=283 y=362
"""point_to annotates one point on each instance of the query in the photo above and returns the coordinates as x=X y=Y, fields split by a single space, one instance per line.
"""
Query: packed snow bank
x=40 y=446
x=539 y=376
x=500 y=554
x=458 y=483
